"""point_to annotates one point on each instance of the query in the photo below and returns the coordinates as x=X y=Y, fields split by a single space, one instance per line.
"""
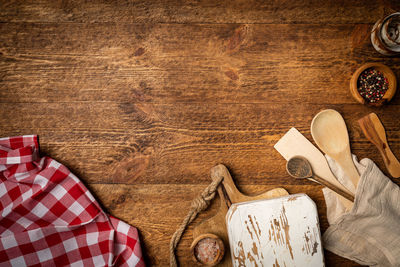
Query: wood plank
x=152 y=209
x=182 y=63
x=174 y=11
x=178 y=143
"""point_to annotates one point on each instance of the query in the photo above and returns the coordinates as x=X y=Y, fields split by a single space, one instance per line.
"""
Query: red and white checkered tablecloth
x=49 y=218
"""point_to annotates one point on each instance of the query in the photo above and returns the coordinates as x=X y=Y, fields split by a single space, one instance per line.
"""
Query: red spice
x=372 y=85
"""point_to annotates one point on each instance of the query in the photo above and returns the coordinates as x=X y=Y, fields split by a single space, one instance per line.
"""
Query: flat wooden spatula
x=375 y=133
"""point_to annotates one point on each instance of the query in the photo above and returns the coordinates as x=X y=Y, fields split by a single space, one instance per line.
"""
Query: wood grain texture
x=141 y=98
x=135 y=63
x=174 y=11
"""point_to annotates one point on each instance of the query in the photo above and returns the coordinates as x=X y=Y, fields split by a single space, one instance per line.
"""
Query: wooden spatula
x=293 y=143
x=375 y=133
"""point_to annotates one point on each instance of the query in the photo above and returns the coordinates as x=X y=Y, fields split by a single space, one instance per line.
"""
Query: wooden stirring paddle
x=375 y=132
x=299 y=168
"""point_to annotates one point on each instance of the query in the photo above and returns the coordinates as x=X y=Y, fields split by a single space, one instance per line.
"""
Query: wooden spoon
x=329 y=131
x=299 y=168
x=375 y=133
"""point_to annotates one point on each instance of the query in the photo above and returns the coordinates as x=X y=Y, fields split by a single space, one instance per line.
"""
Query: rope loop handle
x=198 y=204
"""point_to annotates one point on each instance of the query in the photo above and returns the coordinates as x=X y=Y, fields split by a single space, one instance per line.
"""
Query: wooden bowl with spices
x=373 y=84
x=207 y=249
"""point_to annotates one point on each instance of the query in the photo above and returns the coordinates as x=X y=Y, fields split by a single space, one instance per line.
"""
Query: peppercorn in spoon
x=299 y=168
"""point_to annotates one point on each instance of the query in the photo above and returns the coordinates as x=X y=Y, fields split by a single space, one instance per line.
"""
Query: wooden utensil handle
x=373 y=129
x=391 y=162
x=346 y=163
x=333 y=187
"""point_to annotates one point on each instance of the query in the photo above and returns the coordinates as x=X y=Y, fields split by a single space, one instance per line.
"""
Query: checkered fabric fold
x=49 y=218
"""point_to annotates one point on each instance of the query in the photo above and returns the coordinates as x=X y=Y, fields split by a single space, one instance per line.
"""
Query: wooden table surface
x=141 y=98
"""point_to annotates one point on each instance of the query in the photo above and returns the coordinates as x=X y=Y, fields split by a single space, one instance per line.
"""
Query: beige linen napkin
x=335 y=208
x=369 y=233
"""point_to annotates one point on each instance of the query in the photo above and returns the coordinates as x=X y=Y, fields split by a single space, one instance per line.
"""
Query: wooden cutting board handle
x=375 y=132
x=228 y=194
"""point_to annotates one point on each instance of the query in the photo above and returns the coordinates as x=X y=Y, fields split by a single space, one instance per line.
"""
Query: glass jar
x=385 y=35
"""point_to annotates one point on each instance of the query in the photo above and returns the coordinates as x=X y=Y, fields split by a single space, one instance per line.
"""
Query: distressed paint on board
x=275 y=232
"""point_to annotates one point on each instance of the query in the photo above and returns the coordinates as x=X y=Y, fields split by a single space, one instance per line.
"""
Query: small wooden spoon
x=329 y=131
x=299 y=168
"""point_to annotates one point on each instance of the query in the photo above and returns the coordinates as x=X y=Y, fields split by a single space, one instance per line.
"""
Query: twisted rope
x=198 y=204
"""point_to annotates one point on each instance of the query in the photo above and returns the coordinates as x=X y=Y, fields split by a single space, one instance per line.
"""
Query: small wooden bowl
x=217 y=257
x=386 y=71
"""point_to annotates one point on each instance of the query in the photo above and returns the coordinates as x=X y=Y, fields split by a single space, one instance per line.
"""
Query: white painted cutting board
x=275 y=232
